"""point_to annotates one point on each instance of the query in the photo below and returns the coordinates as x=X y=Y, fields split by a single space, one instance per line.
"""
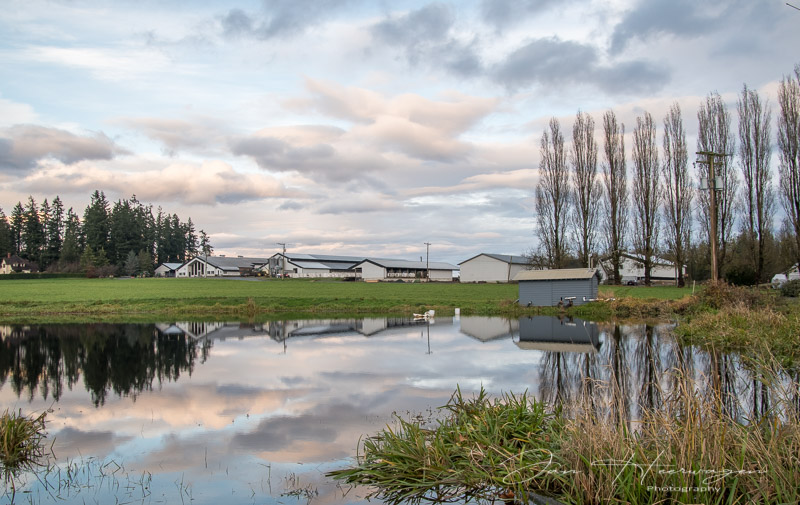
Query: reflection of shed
x=545 y=288
x=547 y=333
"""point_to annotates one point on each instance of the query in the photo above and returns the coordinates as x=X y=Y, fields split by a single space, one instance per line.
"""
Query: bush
x=721 y=294
x=791 y=288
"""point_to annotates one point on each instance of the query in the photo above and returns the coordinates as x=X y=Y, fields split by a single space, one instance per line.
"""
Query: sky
x=352 y=126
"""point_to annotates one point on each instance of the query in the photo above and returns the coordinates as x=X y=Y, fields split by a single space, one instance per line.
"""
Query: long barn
x=546 y=288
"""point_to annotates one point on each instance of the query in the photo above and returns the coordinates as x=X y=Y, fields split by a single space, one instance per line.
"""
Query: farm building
x=487 y=267
x=167 y=270
x=546 y=288
x=632 y=270
x=220 y=266
x=310 y=265
x=792 y=274
x=372 y=269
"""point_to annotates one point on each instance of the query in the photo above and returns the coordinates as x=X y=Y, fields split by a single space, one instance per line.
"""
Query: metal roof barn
x=546 y=288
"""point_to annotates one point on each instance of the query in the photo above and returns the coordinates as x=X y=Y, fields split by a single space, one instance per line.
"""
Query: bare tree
x=714 y=135
x=789 y=147
x=646 y=191
x=677 y=188
x=755 y=151
x=616 y=191
x=587 y=187
x=552 y=196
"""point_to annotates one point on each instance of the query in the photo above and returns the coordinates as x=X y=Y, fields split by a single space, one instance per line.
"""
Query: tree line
x=125 y=238
x=589 y=206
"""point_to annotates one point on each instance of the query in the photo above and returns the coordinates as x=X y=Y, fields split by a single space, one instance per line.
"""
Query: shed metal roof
x=232 y=263
x=555 y=275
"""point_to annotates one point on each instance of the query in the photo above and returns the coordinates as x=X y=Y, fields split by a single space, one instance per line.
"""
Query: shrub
x=791 y=288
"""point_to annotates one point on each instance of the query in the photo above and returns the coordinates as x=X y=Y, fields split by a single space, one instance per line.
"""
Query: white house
x=792 y=274
x=632 y=270
x=487 y=267
x=220 y=266
x=167 y=269
x=372 y=269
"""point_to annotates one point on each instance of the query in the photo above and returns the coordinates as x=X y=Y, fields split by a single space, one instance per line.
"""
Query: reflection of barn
x=547 y=333
x=283 y=330
x=489 y=328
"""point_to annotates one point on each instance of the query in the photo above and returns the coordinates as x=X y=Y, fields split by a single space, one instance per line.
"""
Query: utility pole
x=283 y=259
x=711 y=186
x=427 y=262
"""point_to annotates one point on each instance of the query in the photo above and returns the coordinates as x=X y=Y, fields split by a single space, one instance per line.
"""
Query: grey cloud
x=280 y=18
x=551 y=61
x=502 y=13
x=677 y=17
x=424 y=36
x=356 y=206
x=276 y=154
x=72 y=441
x=322 y=426
x=22 y=146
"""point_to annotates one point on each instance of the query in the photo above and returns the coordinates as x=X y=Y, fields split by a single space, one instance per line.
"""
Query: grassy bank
x=130 y=299
x=515 y=449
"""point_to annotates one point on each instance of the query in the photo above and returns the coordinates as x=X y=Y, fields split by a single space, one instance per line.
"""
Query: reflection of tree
x=554 y=378
x=619 y=376
x=126 y=359
x=648 y=367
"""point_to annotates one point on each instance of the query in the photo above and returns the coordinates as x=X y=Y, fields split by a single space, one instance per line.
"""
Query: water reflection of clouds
x=260 y=401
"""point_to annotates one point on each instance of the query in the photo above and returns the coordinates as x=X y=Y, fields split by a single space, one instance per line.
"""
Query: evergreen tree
x=96 y=221
x=131 y=265
x=71 y=249
x=55 y=232
x=6 y=245
x=17 y=225
x=33 y=238
x=145 y=263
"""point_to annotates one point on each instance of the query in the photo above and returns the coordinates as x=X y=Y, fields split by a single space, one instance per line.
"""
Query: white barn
x=220 y=266
x=298 y=265
x=487 y=267
x=372 y=269
x=632 y=270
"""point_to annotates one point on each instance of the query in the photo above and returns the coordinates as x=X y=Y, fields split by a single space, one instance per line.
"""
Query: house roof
x=515 y=260
x=172 y=266
x=323 y=265
x=555 y=275
x=232 y=263
x=417 y=265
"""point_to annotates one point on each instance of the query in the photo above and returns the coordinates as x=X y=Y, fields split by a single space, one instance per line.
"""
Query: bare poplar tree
x=677 y=188
x=587 y=187
x=755 y=151
x=714 y=134
x=789 y=147
x=552 y=196
x=616 y=191
x=646 y=191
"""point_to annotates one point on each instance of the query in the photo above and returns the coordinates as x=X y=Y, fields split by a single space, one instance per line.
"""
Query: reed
x=691 y=449
x=22 y=445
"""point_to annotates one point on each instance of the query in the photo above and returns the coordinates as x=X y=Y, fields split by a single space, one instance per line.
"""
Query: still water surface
x=256 y=413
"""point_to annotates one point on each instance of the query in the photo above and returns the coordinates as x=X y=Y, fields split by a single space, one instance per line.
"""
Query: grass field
x=58 y=298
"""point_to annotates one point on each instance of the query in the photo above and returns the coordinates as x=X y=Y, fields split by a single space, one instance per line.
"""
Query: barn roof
x=514 y=260
x=418 y=265
x=555 y=275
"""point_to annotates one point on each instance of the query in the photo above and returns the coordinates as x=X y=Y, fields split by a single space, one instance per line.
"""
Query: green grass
x=133 y=299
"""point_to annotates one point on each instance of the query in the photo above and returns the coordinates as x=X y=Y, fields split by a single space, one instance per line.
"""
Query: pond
x=257 y=413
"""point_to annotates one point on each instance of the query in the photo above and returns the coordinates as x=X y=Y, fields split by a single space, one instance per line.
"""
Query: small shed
x=546 y=288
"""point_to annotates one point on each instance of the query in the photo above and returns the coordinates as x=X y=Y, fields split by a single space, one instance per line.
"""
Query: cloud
x=109 y=64
x=280 y=18
x=359 y=204
x=424 y=36
x=555 y=62
x=208 y=183
x=502 y=13
x=653 y=18
x=175 y=134
x=23 y=146
x=71 y=442
x=408 y=124
x=12 y=113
